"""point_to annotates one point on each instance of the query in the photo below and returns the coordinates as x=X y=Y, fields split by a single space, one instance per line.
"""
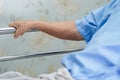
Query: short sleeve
x=91 y=23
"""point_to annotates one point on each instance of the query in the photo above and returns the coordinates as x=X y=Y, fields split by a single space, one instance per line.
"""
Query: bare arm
x=63 y=30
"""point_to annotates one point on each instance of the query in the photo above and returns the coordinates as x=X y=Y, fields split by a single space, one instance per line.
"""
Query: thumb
x=12 y=25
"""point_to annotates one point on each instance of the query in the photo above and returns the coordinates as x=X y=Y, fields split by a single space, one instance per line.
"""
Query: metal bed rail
x=11 y=30
x=11 y=58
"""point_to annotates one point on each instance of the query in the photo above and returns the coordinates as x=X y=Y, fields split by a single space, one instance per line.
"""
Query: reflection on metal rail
x=11 y=30
x=11 y=58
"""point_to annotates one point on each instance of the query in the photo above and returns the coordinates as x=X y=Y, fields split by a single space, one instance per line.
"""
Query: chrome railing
x=11 y=30
x=11 y=58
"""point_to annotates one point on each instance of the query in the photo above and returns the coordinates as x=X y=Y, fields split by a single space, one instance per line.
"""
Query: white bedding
x=61 y=74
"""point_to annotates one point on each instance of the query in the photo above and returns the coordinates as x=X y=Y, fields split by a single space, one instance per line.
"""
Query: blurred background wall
x=36 y=42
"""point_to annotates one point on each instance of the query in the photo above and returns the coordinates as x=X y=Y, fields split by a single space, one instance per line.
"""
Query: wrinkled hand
x=22 y=27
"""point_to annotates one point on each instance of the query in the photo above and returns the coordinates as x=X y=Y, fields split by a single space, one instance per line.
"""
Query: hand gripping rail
x=11 y=30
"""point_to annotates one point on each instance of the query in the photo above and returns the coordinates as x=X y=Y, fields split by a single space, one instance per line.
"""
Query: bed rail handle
x=10 y=30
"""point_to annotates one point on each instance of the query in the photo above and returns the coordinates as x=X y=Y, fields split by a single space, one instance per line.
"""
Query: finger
x=19 y=32
x=12 y=24
x=15 y=36
x=15 y=23
x=16 y=33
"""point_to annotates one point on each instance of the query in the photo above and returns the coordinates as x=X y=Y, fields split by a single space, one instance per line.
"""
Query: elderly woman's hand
x=22 y=27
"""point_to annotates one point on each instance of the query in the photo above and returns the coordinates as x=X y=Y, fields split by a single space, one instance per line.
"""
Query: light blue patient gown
x=100 y=60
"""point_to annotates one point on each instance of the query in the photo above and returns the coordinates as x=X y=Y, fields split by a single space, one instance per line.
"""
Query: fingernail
x=15 y=36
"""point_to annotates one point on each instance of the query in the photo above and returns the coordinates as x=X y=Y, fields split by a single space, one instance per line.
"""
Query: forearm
x=64 y=30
